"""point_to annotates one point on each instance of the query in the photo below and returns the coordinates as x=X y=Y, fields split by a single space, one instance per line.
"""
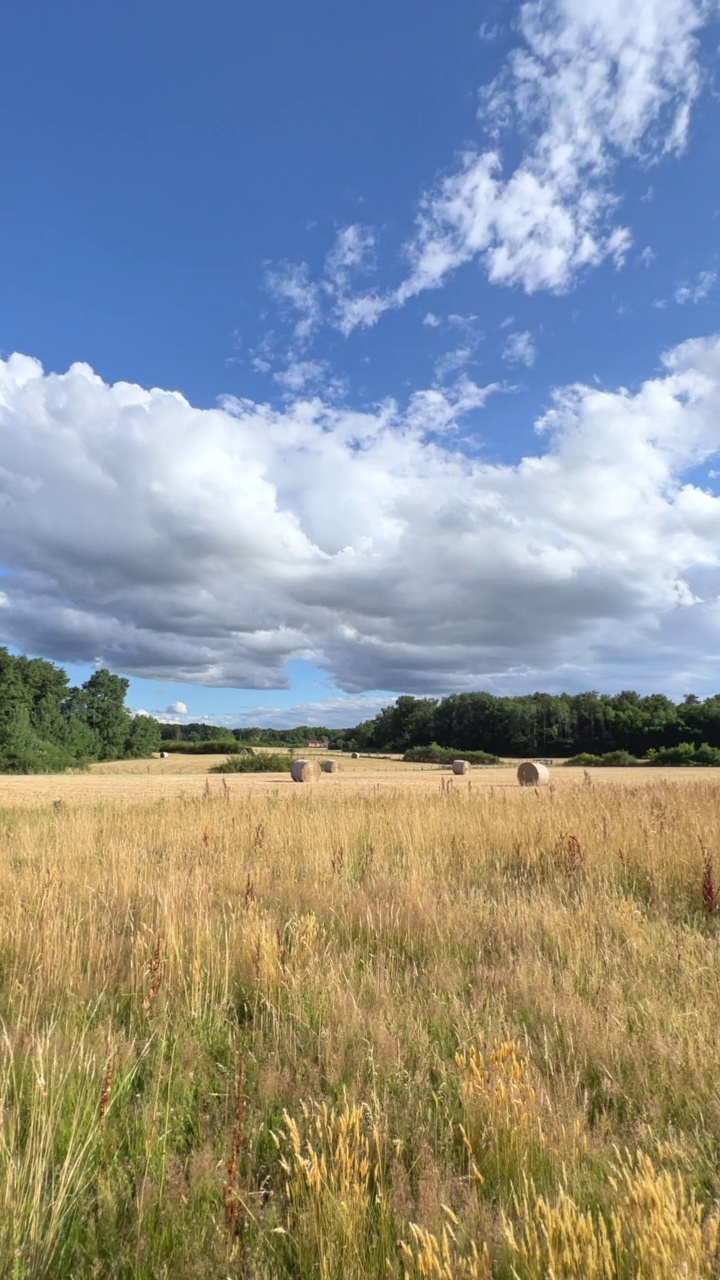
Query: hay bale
x=330 y=766
x=355 y=755
x=304 y=771
x=533 y=774
x=461 y=766
x=164 y=755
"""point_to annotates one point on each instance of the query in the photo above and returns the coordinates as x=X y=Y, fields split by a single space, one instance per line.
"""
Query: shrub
x=42 y=757
x=621 y=758
x=263 y=762
x=616 y=759
x=685 y=753
x=23 y=751
x=445 y=755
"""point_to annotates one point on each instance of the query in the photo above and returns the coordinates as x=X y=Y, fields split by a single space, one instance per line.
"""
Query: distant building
x=314 y=743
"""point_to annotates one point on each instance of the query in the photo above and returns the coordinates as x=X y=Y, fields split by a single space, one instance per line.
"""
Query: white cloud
x=214 y=545
x=176 y=709
x=432 y=321
x=699 y=290
x=334 y=713
x=520 y=349
x=647 y=256
x=461 y=356
x=464 y=322
x=301 y=373
x=297 y=294
x=354 y=250
x=453 y=360
x=593 y=83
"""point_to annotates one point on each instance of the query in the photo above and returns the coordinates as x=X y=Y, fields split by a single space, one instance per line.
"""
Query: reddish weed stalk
x=106 y=1086
x=249 y=891
x=155 y=976
x=233 y=1205
x=709 y=892
x=568 y=852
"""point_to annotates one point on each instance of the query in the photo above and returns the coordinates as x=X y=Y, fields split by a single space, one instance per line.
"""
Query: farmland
x=380 y=1026
x=132 y=781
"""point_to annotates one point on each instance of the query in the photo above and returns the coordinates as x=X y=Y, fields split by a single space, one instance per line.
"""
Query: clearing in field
x=368 y=1028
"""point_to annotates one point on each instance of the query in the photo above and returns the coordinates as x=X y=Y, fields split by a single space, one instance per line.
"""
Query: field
x=376 y=1027
x=183 y=776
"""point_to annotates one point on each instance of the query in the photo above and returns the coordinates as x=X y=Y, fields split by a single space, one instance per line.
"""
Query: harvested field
x=136 y=781
x=364 y=1028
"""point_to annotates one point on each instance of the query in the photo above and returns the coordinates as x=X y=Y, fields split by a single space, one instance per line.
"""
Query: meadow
x=380 y=1026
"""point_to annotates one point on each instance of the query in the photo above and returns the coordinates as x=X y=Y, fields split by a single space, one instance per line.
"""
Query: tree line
x=196 y=732
x=47 y=726
x=542 y=724
x=538 y=724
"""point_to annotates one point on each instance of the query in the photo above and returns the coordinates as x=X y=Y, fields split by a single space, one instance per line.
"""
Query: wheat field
x=376 y=1027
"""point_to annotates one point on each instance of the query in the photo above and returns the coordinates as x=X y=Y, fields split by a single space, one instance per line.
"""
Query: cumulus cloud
x=520 y=349
x=591 y=84
x=211 y=546
x=176 y=709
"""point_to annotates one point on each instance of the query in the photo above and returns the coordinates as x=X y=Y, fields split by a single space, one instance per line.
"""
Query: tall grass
x=467 y=1033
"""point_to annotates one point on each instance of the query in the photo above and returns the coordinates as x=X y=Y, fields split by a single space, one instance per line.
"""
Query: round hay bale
x=533 y=774
x=355 y=755
x=304 y=771
x=461 y=766
x=330 y=766
x=164 y=755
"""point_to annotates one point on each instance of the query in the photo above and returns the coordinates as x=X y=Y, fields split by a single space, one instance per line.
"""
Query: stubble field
x=376 y=1027
x=183 y=776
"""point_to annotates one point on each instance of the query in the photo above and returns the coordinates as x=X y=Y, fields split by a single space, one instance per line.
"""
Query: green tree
x=100 y=703
x=144 y=737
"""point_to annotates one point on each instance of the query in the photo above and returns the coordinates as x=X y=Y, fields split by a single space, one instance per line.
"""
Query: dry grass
x=183 y=776
x=359 y=1029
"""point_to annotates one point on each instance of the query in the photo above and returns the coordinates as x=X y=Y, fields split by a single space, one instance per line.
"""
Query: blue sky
x=361 y=353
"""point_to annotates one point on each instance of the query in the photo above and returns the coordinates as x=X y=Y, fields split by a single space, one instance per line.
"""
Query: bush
x=623 y=759
x=445 y=755
x=35 y=755
x=686 y=753
x=263 y=762
x=213 y=747
x=613 y=759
